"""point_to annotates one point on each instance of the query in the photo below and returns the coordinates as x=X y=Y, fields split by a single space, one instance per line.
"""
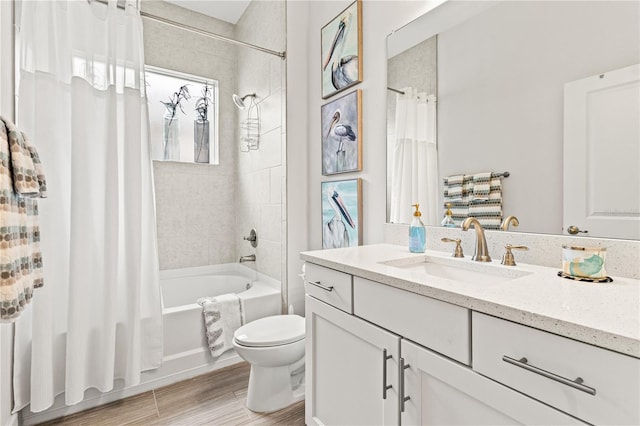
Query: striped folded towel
x=488 y=213
x=453 y=187
x=486 y=203
x=456 y=192
x=478 y=195
x=459 y=212
x=458 y=188
x=481 y=186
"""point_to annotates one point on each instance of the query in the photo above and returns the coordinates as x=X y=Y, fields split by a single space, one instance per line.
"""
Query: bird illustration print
x=344 y=69
x=334 y=232
x=344 y=133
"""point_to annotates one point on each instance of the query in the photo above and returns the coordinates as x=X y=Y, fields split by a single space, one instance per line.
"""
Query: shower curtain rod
x=400 y=92
x=281 y=55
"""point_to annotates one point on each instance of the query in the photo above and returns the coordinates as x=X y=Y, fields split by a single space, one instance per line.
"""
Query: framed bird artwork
x=341 y=123
x=341 y=47
x=341 y=213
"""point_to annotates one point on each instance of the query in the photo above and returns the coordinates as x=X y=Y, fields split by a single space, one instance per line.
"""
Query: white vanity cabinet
x=330 y=286
x=349 y=364
x=443 y=392
x=591 y=383
x=382 y=355
x=440 y=326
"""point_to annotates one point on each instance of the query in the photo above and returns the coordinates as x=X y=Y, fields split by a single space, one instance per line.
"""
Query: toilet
x=274 y=346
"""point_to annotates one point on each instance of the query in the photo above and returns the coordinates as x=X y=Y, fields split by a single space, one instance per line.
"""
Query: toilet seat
x=271 y=331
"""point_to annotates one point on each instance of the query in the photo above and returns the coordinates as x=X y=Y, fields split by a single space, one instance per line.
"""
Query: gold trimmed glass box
x=584 y=262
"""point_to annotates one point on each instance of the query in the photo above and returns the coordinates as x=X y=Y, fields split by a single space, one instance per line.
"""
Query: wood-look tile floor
x=217 y=398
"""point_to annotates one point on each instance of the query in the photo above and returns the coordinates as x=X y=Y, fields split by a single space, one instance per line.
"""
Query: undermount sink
x=457 y=269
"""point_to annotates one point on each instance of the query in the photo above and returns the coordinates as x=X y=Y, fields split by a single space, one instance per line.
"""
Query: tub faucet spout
x=482 y=252
x=250 y=258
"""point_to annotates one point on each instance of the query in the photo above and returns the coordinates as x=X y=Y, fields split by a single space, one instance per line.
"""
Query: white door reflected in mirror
x=601 y=153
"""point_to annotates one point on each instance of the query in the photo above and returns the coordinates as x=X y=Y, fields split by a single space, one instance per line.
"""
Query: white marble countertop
x=602 y=314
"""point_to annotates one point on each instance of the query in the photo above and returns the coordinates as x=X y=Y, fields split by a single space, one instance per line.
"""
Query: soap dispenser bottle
x=448 y=222
x=417 y=233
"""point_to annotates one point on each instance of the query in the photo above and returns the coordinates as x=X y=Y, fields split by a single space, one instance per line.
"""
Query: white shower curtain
x=81 y=99
x=414 y=177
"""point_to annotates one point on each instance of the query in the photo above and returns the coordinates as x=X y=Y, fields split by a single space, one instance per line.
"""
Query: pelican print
x=334 y=232
x=342 y=131
x=344 y=70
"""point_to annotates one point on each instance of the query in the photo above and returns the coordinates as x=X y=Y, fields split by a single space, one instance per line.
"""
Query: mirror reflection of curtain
x=415 y=158
x=82 y=102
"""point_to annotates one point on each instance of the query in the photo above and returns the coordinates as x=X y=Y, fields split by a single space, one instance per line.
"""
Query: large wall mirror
x=494 y=79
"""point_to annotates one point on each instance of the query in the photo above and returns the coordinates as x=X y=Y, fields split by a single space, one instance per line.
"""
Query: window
x=177 y=119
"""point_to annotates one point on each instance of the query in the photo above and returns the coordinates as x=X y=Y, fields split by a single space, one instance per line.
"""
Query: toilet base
x=270 y=389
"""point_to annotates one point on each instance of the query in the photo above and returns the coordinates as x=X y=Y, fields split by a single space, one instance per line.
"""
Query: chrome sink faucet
x=482 y=252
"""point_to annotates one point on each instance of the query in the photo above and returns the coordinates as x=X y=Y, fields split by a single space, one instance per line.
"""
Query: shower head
x=239 y=101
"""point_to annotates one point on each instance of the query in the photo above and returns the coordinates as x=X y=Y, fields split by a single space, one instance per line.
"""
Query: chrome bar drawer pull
x=576 y=384
x=322 y=286
x=385 y=386
x=402 y=398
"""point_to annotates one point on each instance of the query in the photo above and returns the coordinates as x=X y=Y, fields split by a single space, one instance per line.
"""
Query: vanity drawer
x=439 y=326
x=610 y=388
x=330 y=286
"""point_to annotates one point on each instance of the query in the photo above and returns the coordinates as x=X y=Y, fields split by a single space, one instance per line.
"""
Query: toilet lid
x=271 y=331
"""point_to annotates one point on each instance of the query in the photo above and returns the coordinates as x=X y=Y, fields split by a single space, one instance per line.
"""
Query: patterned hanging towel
x=481 y=187
x=22 y=181
x=478 y=195
x=486 y=200
x=456 y=192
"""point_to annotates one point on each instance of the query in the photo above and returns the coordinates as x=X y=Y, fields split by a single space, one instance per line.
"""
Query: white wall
x=6 y=109
x=535 y=48
x=304 y=168
x=203 y=211
x=260 y=172
x=297 y=202
x=379 y=19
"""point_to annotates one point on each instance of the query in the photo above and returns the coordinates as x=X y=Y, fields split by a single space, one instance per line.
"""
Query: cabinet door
x=441 y=391
x=346 y=368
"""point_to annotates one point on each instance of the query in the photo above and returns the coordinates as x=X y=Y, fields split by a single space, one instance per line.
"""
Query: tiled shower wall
x=261 y=173
x=194 y=202
x=203 y=211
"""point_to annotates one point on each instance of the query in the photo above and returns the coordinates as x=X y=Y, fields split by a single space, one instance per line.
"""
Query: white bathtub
x=184 y=331
x=186 y=353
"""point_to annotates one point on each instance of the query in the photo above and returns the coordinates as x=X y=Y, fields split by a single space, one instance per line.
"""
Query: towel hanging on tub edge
x=222 y=316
